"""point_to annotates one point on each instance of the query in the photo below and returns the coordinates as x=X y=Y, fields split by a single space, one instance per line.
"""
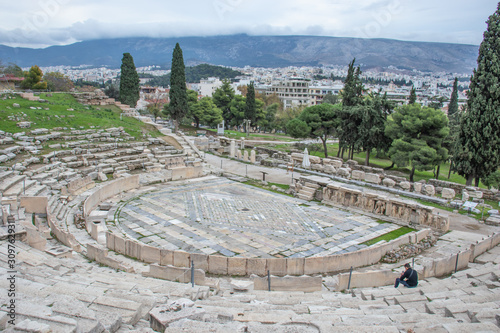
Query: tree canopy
x=417 y=133
x=57 y=81
x=129 y=81
x=196 y=73
x=477 y=151
x=33 y=79
x=322 y=121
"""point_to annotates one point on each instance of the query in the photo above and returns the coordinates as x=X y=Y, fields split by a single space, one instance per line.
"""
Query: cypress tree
x=129 y=81
x=453 y=106
x=477 y=153
x=178 y=106
x=250 y=108
x=413 y=96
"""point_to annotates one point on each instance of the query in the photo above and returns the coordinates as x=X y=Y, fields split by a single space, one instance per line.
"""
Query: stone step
x=306 y=197
x=10 y=181
x=20 y=188
x=5 y=174
x=130 y=311
x=37 y=190
x=62 y=213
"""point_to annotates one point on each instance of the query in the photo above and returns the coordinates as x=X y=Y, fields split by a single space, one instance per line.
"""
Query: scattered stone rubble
x=409 y=250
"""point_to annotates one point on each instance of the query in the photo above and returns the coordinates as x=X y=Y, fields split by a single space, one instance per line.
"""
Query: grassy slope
x=54 y=114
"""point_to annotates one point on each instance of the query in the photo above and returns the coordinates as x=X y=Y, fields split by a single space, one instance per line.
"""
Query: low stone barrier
x=289 y=283
x=366 y=279
x=108 y=191
x=36 y=205
x=100 y=254
x=220 y=265
x=175 y=274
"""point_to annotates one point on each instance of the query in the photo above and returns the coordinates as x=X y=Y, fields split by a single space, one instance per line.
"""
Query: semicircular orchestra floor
x=220 y=216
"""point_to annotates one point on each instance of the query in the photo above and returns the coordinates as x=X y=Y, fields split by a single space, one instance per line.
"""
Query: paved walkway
x=273 y=175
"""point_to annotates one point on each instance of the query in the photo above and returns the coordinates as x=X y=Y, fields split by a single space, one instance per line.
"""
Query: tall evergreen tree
x=178 y=106
x=250 y=110
x=373 y=121
x=413 y=96
x=222 y=98
x=477 y=152
x=129 y=81
x=453 y=106
x=352 y=94
x=352 y=110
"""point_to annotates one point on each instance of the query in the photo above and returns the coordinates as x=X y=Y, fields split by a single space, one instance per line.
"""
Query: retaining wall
x=108 y=191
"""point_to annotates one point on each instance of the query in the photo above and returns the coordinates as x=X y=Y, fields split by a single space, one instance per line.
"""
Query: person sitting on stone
x=409 y=278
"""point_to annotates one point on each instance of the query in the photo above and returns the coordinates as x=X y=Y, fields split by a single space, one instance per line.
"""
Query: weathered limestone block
x=344 y=172
x=372 y=178
x=318 y=167
x=389 y=182
x=405 y=185
x=417 y=187
x=163 y=315
x=314 y=159
x=428 y=190
x=329 y=169
x=358 y=175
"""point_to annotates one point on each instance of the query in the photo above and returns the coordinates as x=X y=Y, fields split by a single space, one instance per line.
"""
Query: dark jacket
x=411 y=277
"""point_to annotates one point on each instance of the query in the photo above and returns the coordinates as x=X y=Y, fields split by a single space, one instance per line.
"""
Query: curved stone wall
x=220 y=265
x=108 y=191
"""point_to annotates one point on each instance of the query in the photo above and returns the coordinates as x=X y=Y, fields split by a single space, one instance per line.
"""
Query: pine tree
x=129 y=81
x=413 y=96
x=178 y=106
x=250 y=109
x=477 y=152
x=222 y=98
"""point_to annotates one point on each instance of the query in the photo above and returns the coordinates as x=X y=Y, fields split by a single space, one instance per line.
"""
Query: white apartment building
x=208 y=86
x=317 y=93
x=292 y=92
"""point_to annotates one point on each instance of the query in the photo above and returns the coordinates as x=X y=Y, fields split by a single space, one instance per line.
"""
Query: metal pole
x=192 y=273
x=24 y=186
x=246 y=170
x=456 y=263
x=349 y=284
x=412 y=262
x=221 y=164
x=268 y=281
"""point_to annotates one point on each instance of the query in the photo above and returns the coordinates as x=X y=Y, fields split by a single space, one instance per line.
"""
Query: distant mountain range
x=257 y=51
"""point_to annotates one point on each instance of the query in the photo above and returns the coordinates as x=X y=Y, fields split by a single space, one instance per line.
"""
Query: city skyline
x=60 y=22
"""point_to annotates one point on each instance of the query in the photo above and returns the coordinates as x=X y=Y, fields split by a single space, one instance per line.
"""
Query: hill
x=196 y=73
x=258 y=51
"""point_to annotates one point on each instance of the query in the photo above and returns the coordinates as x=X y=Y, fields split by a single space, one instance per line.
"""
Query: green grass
x=389 y=236
x=54 y=114
x=258 y=183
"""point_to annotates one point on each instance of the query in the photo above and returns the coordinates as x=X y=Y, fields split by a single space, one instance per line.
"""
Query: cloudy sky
x=41 y=23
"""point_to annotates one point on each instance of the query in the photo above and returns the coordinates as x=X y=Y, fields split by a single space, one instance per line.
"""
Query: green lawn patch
x=389 y=236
